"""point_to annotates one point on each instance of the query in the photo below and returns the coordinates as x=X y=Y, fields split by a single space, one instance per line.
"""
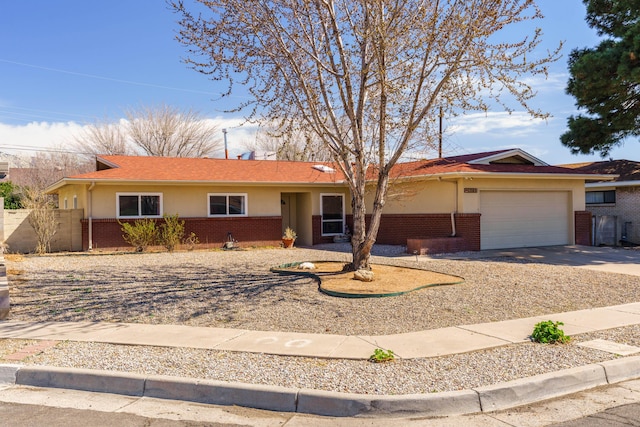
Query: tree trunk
x=364 y=237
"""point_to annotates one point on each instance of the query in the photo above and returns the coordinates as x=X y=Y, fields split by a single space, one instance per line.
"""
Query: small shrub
x=379 y=355
x=191 y=241
x=549 y=333
x=140 y=234
x=171 y=232
x=289 y=234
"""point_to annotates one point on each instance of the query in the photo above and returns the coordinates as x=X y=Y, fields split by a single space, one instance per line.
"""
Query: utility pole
x=226 y=152
x=440 y=136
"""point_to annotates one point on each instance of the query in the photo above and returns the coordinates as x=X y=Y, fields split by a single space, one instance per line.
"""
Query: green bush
x=11 y=195
x=379 y=355
x=549 y=333
x=140 y=234
x=171 y=232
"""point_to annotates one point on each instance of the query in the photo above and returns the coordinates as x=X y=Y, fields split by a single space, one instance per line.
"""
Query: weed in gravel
x=549 y=332
x=380 y=355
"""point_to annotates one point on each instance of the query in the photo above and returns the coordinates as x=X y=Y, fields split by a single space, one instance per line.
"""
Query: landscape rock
x=307 y=266
x=364 y=275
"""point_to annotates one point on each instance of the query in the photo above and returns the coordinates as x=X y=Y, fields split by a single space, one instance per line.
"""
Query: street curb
x=8 y=373
x=540 y=387
x=100 y=381
x=257 y=396
x=318 y=402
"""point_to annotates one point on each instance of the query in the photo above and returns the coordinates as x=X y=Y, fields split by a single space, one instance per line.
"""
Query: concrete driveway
x=614 y=260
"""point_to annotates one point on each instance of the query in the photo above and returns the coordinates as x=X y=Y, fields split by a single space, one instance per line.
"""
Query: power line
x=8 y=108
x=95 y=76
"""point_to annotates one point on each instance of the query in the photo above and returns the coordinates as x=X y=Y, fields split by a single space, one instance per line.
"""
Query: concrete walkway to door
x=613 y=260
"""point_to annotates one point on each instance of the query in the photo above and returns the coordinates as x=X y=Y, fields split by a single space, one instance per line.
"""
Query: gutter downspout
x=453 y=224
x=90 y=213
x=453 y=218
x=453 y=214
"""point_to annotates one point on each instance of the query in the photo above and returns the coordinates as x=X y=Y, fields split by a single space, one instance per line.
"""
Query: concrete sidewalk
x=429 y=343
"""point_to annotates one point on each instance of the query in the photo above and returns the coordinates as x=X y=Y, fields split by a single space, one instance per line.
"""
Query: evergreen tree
x=605 y=80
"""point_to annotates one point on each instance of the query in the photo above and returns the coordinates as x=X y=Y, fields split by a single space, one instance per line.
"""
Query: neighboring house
x=615 y=205
x=500 y=199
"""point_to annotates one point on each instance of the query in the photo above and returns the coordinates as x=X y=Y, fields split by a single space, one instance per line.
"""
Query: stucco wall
x=471 y=201
x=422 y=197
x=192 y=202
x=433 y=196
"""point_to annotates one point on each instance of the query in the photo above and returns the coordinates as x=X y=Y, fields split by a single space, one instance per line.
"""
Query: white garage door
x=514 y=219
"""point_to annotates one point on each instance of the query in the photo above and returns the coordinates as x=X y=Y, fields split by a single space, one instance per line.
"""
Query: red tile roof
x=459 y=164
x=627 y=169
x=141 y=168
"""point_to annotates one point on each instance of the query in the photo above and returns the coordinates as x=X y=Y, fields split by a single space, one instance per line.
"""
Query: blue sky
x=66 y=63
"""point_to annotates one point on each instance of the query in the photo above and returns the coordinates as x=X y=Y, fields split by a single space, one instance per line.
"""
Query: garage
x=516 y=219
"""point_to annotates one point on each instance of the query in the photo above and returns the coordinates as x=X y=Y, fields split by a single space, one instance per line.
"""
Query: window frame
x=323 y=221
x=604 y=197
x=227 y=214
x=139 y=195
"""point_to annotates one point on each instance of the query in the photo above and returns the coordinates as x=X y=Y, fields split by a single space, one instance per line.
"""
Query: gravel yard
x=235 y=289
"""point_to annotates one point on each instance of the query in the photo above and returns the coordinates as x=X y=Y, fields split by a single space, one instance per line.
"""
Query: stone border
x=281 y=269
x=317 y=402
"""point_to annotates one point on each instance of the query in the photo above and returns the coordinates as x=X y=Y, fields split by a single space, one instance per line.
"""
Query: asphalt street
x=614 y=405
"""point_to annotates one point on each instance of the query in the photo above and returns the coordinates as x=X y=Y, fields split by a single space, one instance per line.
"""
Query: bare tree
x=365 y=76
x=299 y=145
x=44 y=169
x=42 y=217
x=103 y=138
x=168 y=132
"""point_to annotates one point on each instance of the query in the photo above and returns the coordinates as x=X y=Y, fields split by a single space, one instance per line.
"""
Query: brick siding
x=211 y=232
x=583 y=228
x=395 y=229
x=626 y=208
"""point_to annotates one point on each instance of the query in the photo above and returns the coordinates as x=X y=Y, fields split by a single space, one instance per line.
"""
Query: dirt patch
x=389 y=280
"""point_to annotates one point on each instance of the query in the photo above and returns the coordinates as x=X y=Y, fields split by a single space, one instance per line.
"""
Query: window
x=332 y=212
x=75 y=202
x=600 y=197
x=133 y=205
x=66 y=204
x=227 y=204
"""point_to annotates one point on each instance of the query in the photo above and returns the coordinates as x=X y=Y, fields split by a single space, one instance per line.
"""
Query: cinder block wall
x=626 y=208
x=19 y=235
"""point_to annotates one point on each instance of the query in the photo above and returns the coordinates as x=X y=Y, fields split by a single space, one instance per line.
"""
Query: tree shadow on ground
x=182 y=293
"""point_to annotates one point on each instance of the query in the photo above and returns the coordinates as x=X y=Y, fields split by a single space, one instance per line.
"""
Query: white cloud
x=514 y=124
x=38 y=136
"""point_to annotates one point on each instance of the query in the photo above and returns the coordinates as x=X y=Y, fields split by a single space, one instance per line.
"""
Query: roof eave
x=69 y=181
x=506 y=154
x=548 y=175
x=613 y=184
